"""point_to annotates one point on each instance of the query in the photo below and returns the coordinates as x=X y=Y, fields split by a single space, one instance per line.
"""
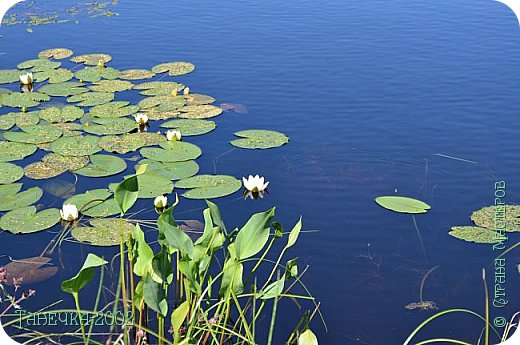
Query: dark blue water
x=369 y=93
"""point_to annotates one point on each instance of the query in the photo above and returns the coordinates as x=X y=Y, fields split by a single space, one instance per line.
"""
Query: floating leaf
x=198 y=99
x=151 y=185
x=59 y=75
x=7 y=121
x=476 y=234
x=35 y=134
x=111 y=86
x=259 y=139
x=177 y=151
x=174 y=68
x=66 y=89
x=136 y=74
x=152 y=139
x=56 y=53
x=89 y=99
x=108 y=126
x=103 y=232
x=191 y=127
x=199 y=111
x=114 y=109
x=30 y=270
x=209 y=186
x=26 y=220
x=65 y=114
x=10 y=173
x=161 y=115
x=402 y=204
x=27 y=119
x=76 y=146
x=11 y=198
x=159 y=88
x=39 y=65
x=505 y=217
x=69 y=129
x=53 y=165
x=88 y=199
x=94 y=74
x=11 y=151
x=172 y=170
x=162 y=103
x=122 y=144
x=103 y=165
x=8 y=76
x=23 y=100
x=105 y=209
x=91 y=59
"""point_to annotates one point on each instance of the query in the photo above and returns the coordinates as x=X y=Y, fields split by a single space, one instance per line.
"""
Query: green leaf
x=88 y=199
x=27 y=119
x=232 y=278
x=8 y=76
x=84 y=276
x=7 y=121
x=91 y=59
x=178 y=317
x=199 y=111
x=11 y=198
x=162 y=103
x=198 y=99
x=76 y=146
x=56 y=53
x=215 y=215
x=177 y=151
x=114 y=109
x=253 y=236
x=10 y=173
x=307 y=338
x=36 y=134
x=191 y=127
x=174 y=68
x=126 y=193
x=39 y=65
x=54 y=76
x=102 y=166
x=155 y=296
x=65 y=114
x=293 y=235
x=143 y=254
x=69 y=88
x=107 y=208
x=26 y=220
x=402 y=204
x=21 y=100
x=158 y=88
x=174 y=237
x=111 y=86
x=122 y=144
x=273 y=290
x=103 y=232
x=89 y=99
x=476 y=234
x=101 y=126
x=209 y=186
x=259 y=139
x=506 y=217
x=172 y=170
x=136 y=74
x=10 y=151
x=94 y=74
x=53 y=165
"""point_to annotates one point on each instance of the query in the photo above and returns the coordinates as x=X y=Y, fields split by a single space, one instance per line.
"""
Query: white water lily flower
x=26 y=79
x=141 y=119
x=161 y=201
x=255 y=184
x=69 y=213
x=173 y=135
x=186 y=91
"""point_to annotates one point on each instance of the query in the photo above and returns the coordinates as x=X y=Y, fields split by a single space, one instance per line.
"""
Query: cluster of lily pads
x=94 y=124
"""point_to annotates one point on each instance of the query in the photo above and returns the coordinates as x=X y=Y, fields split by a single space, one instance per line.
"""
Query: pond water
x=377 y=98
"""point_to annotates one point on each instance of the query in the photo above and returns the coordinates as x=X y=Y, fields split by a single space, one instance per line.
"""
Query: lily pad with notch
x=91 y=59
x=69 y=88
x=8 y=76
x=65 y=114
x=162 y=103
x=122 y=144
x=172 y=170
x=476 y=234
x=102 y=166
x=402 y=204
x=90 y=99
x=11 y=196
x=209 y=186
x=39 y=65
x=95 y=74
x=27 y=119
x=110 y=126
x=199 y=111
x=150 y=185
x=23 y=100
x=198 y=99
x=76 y=146
x=103 y=232
x=259 y=139
x=190 y=127
x=54 y=76
x=35 y=134
x=505 y=216
x=136 y=74
x=174 y=68
x=53 y=165
x=26 y=220
x=176 y=151
x=114 y=109
x=12 y=151
x=159 y=88
x=55 y=53
x=111 y=86
x=10 y=173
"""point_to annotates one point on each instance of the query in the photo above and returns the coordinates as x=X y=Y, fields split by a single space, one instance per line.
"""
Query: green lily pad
x=39 y=65
x=107 y=208
x=91 y=59
x=66 y=89
x=103 y=165
x=159 y=88
x=209 y=186
x=259 y=139
x=111 y=86
x=10 y=173
x=103 y=232
x=35 y=134
x=174 y=68
x=8 y=76
x=199 y=111
x=65 y=114
x=177 y=151
x=27 y=119
x=402 y=204
x=11 y=198
x=136 y=74
x=494 y=216
x=172 y=170
x=89 y=99
x=114 y=109
x=108 y=126
x=88 y=199
x=191 y=127
x=162 y=103
x=198 y=99
x=56 y=53
x=151 y=185
x=122 y=144
x=54 y=76
x=26 y=220
x=155 y=115
x=76 y=146
x=21 y=100
x=53 y=165
x=475 y=234
x=11 y=151
x=152 y=139
x=69 y=129
x=7 y=121
x=94 y=74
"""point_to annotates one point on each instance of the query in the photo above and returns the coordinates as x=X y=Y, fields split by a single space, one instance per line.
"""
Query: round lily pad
x=176 y=151
x=89 y=99
x=8 y=76
x=11 y=151
x=111 y=86
x=12 y=198
x=136 y=74
x=10 y=173
x=174 y=68
x=198 y=99
x=162 y=103
x=152 y=139
x=56 y=53
x=76 y=146
x=103 y=232
x=171 y=170
x=190 y=127
x=91 y=59
x=199 y=111
x=25 y=99
x=94 y=74
x=475 y=234
x=88 y=199
x=151 y=185
x=159 y=88
x=27 y=119
x=59 y=75
x=26 y=220
x=402 y=204
x=7 y=121
x=161 y=115
x=114 y=109
x=53 y=165
x=35 y=134
x=209 y=186
x=39 y=65
x=109 y=126
x=259 y=139
x=65 y=114
x=122 y=144
x=103 y=165
x=506 y=217
x=69 y=129
x=107 y=208
x=65 y=89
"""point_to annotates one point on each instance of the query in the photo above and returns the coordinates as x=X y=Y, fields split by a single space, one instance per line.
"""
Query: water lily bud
x=186 y=91
x=173 y=135
x=161 y=201
x=69 y=213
